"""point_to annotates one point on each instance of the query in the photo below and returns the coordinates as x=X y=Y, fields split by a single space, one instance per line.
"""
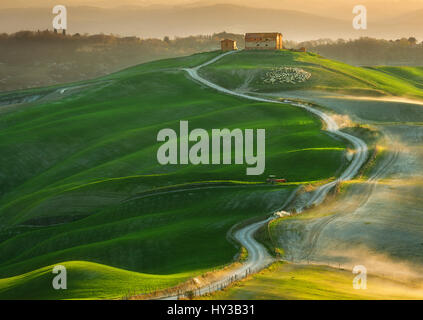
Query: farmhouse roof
x=262 y=34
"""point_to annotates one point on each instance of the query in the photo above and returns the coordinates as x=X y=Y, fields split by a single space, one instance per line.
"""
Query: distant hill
x=187 y=20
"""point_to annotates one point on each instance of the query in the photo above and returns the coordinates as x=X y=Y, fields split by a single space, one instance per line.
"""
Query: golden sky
x=339 y=8
x=402 y=5
x=323 y=18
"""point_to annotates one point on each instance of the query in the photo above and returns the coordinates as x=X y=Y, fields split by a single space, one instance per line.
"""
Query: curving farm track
x=258 y=257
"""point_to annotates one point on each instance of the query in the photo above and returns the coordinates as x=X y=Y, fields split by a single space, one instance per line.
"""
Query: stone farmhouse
x=263 y=41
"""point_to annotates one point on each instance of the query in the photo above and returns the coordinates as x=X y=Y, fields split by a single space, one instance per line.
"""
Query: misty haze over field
x=299 y=20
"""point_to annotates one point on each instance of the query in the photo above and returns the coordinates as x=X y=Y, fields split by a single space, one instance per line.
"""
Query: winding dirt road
x=377 y=223
x=258 y=257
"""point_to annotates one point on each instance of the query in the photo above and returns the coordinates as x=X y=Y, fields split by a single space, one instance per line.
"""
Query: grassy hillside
x=247 y=69
x=80 y=179
x=87 y=281
x=285 y=281
x=292 y=282
x=413 y=75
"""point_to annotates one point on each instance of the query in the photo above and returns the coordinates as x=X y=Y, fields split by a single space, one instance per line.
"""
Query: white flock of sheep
x=286 y=75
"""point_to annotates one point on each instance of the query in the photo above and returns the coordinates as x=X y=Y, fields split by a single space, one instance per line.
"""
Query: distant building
x=263 y=41
x=228 y=45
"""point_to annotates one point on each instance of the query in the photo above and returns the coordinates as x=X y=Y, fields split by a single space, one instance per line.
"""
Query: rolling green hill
x=80 y=180
x=413 y=75
x=87 y=281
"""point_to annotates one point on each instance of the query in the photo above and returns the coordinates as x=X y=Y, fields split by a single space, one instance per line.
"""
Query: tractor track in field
x=258 y=257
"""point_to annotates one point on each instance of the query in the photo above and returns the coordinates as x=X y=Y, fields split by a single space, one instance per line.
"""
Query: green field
x=86 y=280
x=283 y=281
x=413 y=75
x=80 y=181
x=246 y=70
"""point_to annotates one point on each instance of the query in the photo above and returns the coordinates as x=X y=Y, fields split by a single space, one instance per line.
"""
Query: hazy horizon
x=320 y=7
x=300 y=20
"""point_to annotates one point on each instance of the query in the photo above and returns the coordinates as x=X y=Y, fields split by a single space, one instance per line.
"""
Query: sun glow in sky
x=157 y=18
x=380 y=9
x=317 y=5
